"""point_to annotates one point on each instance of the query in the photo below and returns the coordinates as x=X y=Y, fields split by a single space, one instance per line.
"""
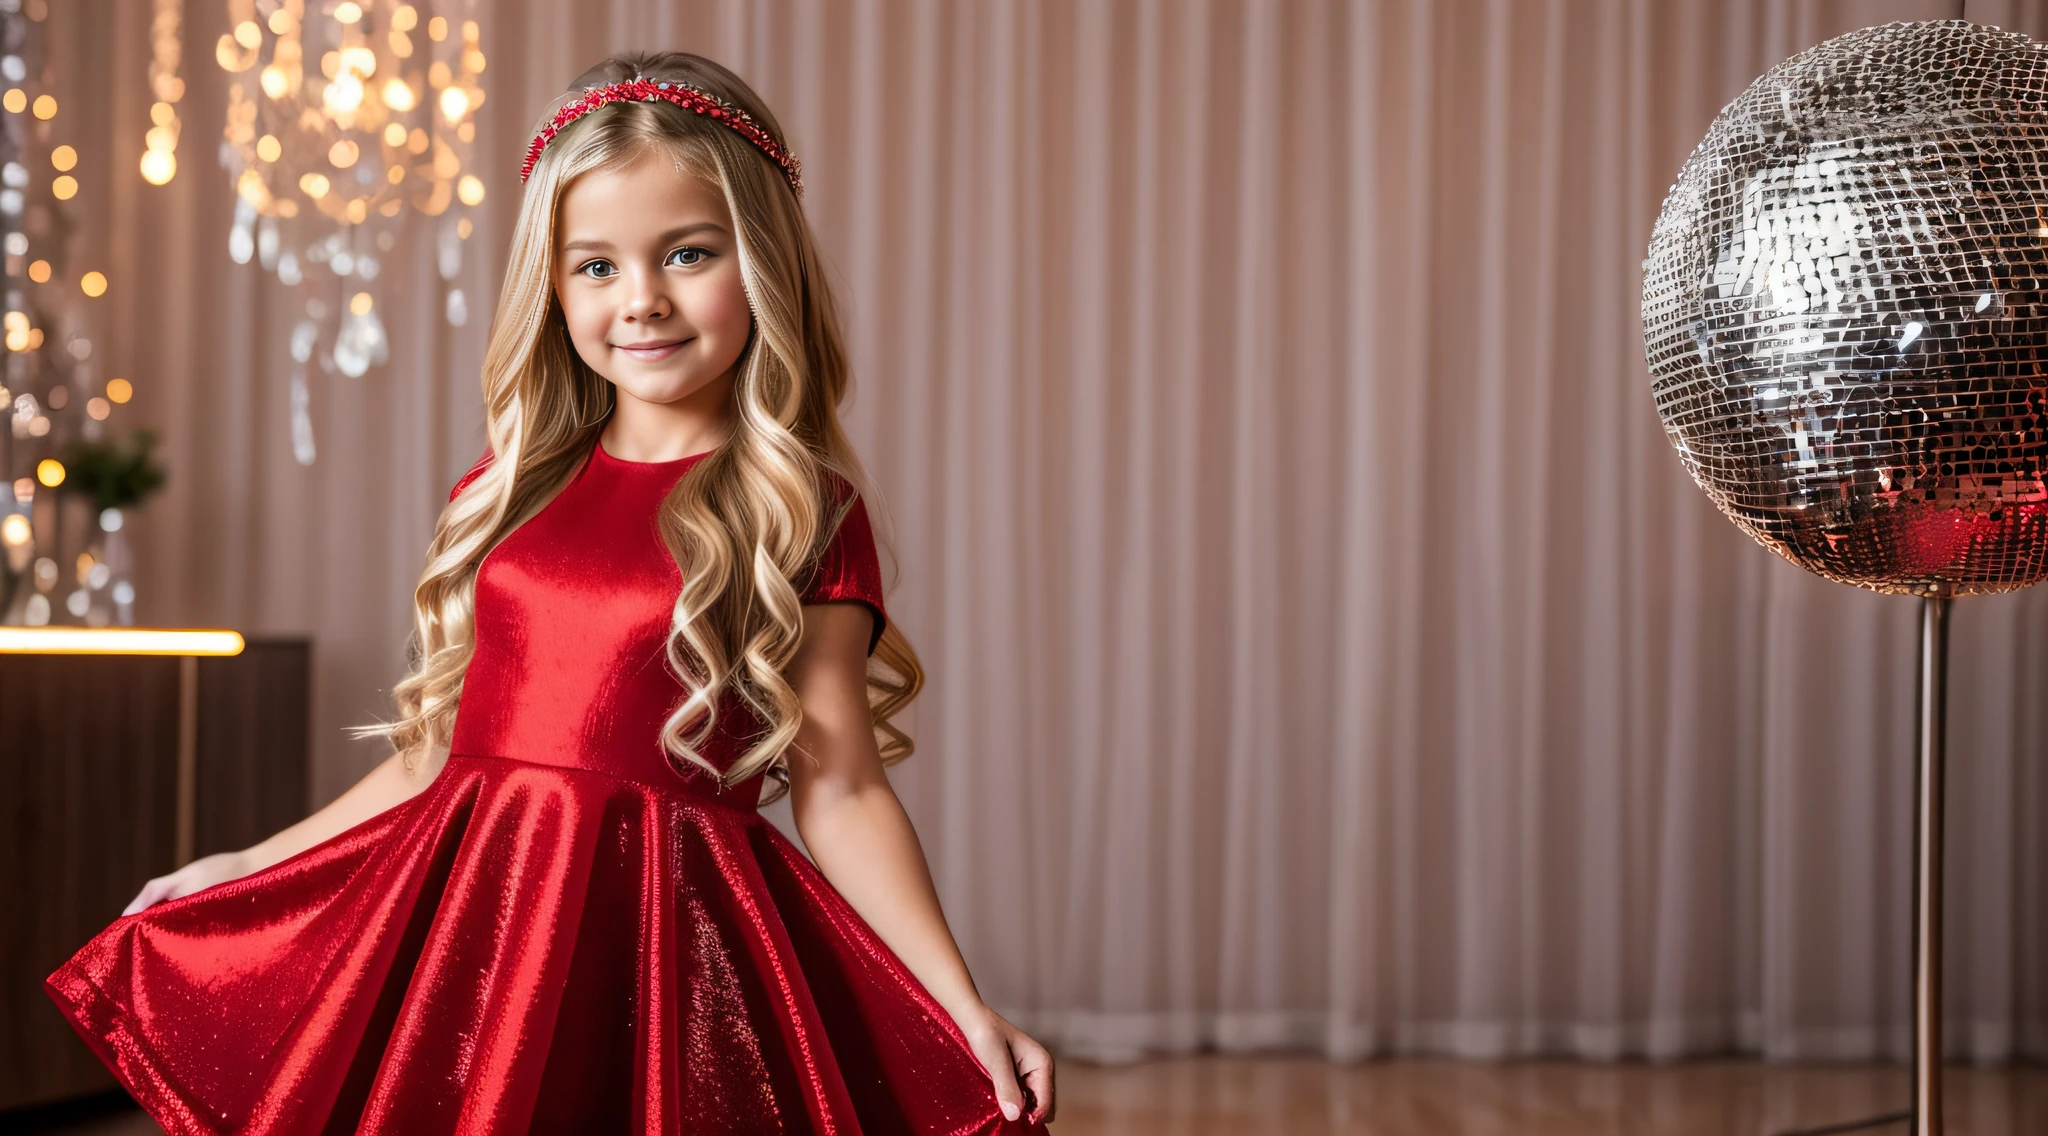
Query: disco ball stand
x=1845 y=309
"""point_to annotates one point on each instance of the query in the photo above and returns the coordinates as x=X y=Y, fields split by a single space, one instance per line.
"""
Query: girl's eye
x=599 y=270
x=689 y=256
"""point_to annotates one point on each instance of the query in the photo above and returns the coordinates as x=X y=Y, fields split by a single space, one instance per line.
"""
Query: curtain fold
x=1327 y=650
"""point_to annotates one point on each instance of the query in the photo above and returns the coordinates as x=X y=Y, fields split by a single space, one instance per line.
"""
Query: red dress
x=561 y=933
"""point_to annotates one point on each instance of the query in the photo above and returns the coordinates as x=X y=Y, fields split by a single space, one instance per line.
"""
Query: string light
x=159 y=155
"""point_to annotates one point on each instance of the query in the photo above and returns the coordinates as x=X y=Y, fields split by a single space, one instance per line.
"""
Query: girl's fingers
x=145 y=897
x=994 y=1054
x=1036 y=1064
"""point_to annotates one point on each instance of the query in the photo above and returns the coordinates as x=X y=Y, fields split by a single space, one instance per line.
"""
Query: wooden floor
x=1229 y=1096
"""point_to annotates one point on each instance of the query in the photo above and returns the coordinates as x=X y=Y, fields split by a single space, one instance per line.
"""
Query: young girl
x=555 y=907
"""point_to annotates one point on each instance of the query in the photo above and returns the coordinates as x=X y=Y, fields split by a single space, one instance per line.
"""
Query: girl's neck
x=642 y=431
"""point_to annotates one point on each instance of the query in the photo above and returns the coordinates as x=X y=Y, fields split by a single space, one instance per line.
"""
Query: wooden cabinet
x=90 y=808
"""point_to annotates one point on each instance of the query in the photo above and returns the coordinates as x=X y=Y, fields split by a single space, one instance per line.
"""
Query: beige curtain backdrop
x=1327 y=650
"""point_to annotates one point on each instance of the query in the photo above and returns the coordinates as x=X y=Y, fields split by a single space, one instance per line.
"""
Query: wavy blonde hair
x=745 y=524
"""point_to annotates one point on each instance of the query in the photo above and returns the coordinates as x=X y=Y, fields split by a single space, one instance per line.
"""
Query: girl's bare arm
x=861 y=839
x=383 y=787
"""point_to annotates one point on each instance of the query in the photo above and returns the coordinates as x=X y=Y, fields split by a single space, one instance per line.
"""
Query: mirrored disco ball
x=1845 y=307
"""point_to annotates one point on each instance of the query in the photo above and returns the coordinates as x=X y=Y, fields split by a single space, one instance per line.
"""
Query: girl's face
x=648 y=274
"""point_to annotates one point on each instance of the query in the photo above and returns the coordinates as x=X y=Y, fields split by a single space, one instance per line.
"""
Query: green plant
x=114 y=476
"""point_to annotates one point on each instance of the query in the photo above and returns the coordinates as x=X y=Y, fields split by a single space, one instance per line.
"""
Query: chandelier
x=347 y=123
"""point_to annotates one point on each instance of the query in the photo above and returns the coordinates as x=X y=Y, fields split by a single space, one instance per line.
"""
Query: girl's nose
x=645 y=302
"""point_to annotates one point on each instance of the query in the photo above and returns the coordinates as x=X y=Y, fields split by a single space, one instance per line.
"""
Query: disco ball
x=1845 y=307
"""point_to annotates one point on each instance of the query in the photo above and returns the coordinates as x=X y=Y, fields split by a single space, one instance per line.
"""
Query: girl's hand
x=1009 y=1055
x=198 y=875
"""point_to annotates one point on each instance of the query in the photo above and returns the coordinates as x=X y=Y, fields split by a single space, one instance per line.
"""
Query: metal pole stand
x=1930 y=772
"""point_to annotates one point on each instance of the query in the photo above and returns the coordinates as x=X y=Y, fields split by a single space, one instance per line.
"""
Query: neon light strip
x=117 y=641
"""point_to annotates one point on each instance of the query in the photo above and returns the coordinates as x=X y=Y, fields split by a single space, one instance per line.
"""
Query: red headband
x=689 y=98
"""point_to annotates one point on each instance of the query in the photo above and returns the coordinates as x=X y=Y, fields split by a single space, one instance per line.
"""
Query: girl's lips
x=652 y=352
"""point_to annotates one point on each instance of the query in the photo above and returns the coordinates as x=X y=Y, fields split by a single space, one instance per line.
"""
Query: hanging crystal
x=343 y=123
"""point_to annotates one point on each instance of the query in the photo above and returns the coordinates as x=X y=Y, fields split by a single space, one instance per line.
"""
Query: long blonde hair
x=746 y=523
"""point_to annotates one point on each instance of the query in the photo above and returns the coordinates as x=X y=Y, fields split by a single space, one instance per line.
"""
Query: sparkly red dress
x=561 y=933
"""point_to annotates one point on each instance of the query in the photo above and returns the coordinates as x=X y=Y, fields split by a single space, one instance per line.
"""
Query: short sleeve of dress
x=850 y=570
x=475 y=472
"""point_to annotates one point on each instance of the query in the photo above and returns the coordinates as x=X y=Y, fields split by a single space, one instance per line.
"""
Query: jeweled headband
x=683 y=95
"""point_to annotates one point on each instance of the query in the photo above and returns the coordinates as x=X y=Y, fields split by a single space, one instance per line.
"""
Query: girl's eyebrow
x=676 y=233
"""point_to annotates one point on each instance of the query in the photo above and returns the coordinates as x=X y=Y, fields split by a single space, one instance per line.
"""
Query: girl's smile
x=652 y=351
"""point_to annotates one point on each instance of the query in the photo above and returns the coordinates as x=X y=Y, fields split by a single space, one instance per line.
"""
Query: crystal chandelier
x=344 y=120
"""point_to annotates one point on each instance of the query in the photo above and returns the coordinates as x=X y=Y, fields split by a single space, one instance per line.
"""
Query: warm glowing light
x=473 y=61
x=360 y=303
x=35 y=340
x=399 y=97
x=348 y=12
x=454 y=103
x=314 y=185
x=15 y=530
x=120 y=390
x=160 y=138
x=98 y=408
x=248 y=34
x=15 y=100
x=93 y=284
x=39 y=271
x=230 y=55
x=64 y=188
x=249 y=185
x=463 y=228
x=15 y=321
x=158 y=166
x=50 y=472
x=17 y=339
x=63 y=158
x=469 y=189
x=118 y=641
x=162 y=113
x=405 y=19
x=437 y=29
x=45 y=107
x=280 y=22
x=343 y=154
x=275 y=82
x=359 y=61
x=394 y=134
x=343 y=95
x=417 y=141
x=269 y=148
x=395 y=174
